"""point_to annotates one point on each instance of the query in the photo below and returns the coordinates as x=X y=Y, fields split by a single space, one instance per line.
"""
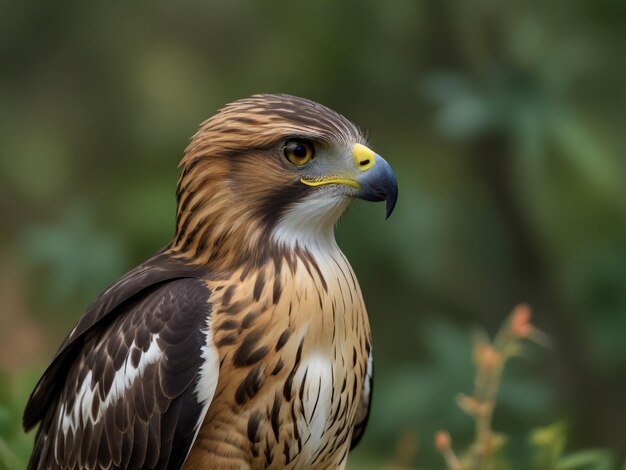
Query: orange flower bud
x=520 y=326
x=442 y=441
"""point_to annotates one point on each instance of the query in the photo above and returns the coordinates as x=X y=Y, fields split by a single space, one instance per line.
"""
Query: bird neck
x=310 y=225
x=212 y=231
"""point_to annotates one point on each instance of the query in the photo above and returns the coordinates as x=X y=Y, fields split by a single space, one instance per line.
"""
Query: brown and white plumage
x=245 y=342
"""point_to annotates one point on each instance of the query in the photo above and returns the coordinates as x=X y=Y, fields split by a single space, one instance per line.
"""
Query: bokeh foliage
x=502 y=119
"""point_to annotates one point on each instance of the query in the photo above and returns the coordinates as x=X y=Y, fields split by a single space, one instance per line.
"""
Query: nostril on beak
x=364 y=158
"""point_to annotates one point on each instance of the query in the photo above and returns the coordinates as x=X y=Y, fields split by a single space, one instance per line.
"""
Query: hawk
x=244 y=343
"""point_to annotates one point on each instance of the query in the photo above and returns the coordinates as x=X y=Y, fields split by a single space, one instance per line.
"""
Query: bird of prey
x=244 y=343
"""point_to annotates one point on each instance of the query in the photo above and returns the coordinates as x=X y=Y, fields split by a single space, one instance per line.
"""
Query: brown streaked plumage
x=245 y=342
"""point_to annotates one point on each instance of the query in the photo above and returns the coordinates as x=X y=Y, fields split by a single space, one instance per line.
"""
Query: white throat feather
x=310 y=224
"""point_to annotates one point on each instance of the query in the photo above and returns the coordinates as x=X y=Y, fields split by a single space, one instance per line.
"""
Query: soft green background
x=504 y=121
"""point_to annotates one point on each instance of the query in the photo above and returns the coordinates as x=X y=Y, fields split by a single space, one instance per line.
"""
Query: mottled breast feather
x=365 y=402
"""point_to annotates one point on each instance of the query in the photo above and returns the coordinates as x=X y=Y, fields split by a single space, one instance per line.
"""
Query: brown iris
x=298 y=152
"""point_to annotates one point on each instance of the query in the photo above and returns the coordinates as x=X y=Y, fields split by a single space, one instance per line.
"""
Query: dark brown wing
x=130 y=387
x=365 y=403
x=158 y=269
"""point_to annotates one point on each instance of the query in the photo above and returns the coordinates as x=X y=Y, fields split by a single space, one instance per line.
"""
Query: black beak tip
x=390 y=202
x=380 y=185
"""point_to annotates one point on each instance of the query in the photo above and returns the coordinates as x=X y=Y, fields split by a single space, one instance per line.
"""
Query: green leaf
x=6 y=421
x=549 y=443
x=584 y=151
x=594 y=459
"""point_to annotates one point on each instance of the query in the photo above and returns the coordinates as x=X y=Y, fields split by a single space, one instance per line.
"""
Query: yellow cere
x=363 y=157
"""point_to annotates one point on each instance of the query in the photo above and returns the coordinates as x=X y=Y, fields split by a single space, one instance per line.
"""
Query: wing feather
x=131 y=396
x=159 y=269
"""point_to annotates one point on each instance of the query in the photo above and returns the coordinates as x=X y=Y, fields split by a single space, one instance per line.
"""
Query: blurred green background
x=504 y=121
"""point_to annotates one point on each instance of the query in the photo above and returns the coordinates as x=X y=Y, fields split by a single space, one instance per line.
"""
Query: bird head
x=273 y=171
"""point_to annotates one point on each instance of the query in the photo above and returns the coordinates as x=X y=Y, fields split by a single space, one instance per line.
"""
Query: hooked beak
x=377 y=181
x=374 y=181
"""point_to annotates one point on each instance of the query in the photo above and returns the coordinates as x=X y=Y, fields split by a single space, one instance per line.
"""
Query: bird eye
x=299 y=153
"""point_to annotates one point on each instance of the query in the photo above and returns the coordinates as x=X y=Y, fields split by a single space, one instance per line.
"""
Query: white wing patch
x=123 y=380
x=208 y=377
x=209 y=371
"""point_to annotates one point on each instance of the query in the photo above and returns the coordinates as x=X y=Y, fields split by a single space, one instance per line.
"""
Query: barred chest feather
x=293 y=340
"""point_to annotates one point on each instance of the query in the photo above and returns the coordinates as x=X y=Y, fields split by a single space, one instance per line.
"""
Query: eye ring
x=298 y=152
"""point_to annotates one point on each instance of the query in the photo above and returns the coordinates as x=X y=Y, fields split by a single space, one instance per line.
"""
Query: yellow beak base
x=345 y=181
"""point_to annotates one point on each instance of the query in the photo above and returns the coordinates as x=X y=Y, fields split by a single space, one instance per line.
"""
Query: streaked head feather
x=236 y=197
